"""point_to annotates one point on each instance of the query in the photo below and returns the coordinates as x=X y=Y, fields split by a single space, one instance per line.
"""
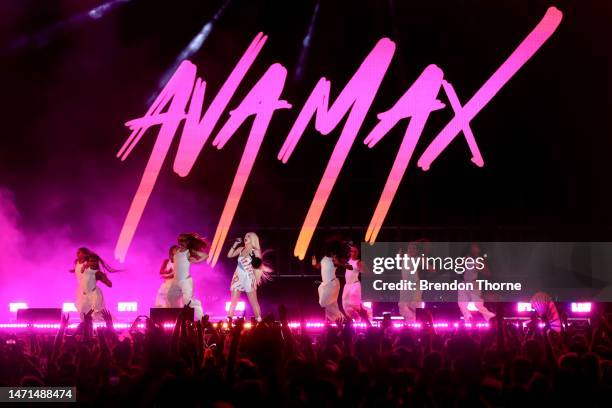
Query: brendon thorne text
x=425 y=285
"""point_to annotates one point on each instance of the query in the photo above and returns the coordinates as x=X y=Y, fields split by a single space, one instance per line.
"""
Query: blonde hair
x=254 y=240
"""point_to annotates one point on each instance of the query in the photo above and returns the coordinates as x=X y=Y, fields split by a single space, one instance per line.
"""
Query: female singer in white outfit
x=168 y=287
x=191 y=250
x=250 y=272
x=329 y=289
x=351 y=295
x=88 y=294
x=474 y=296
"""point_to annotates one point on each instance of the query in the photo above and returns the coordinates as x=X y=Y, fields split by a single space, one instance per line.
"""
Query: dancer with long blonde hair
x=249 y=274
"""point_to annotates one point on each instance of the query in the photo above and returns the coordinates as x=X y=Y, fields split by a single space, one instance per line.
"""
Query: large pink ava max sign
x=183 y=96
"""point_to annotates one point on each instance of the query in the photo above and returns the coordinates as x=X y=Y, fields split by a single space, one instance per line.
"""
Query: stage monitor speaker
x=167 y=315
x=39 y=315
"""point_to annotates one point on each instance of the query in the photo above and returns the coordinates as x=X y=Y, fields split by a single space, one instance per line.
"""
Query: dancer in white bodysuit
x=351 y=295
x=88 y=294
x=192 y=249
x=168 y=287
x=329 y=289
x=410 y=301
x=465 y=297
x=250 y=272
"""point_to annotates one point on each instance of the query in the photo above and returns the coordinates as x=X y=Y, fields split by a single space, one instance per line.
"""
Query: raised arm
x=101 y=276
x=314 y=263
x=235 y=249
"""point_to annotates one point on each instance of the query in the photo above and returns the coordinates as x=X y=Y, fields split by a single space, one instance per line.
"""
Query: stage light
x=43 y=36
x=194 y=45
x=581 y=307
x=367 y=305
x=472 y=307
x=46 y=325
x=240 y=306
x=127 y=306
x=13 y=325
x=69 y=307
x=523 y=307
x=299 y=70
x=15 y=306
x=315 y=325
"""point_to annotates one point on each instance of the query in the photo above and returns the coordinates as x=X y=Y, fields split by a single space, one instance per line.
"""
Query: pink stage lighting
x=581 y=307
x=13 y=325
x=69 y=307
x=15 y=306
x=367 y=305
x=523 y=307
x=240 y=306
x=127 y=306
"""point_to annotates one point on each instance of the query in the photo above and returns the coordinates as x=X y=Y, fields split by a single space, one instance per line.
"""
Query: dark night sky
x=545 y=137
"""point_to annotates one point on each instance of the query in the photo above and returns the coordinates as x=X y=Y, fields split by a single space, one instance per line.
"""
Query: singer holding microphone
x=250 y=272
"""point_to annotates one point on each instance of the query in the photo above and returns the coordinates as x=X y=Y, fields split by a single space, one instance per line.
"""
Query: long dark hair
x=336 y=246
x=195 y=241
x=103 y=265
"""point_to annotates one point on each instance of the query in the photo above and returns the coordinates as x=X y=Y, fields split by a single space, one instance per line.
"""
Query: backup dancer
x=88 y=294
x=249 y=273
x=191 y=249
x=329 y=289
x=465 y=297
x=166 y=272
x=410 y=301
x=351 y=295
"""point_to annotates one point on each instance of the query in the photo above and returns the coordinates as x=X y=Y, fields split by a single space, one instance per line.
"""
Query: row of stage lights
x=122 y=307
x=308 y=325
x=521 y=307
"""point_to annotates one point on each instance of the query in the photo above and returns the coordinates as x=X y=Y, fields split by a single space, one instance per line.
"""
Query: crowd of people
x=269 y=364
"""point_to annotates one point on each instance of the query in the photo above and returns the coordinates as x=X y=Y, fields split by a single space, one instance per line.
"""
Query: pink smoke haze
x=355 y=99
x=35 y=264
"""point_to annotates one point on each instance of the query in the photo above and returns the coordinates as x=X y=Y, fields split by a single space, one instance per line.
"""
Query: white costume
x=351 y=295
x=88 y=294
x=244 y=275
x=180 y=291
x=466 y=296
x=167 y=290
x=410 y=301
x=329 y=289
